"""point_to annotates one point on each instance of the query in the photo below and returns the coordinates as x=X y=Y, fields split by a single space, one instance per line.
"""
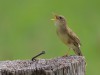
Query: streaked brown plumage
x=67 y=35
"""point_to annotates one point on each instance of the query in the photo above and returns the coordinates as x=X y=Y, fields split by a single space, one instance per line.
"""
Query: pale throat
x=57 y=24
x=60 y=26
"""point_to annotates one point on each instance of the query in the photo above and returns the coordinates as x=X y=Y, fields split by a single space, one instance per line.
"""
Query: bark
x=71 y=65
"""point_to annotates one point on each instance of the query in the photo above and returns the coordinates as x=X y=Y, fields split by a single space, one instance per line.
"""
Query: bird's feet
x=65 y=55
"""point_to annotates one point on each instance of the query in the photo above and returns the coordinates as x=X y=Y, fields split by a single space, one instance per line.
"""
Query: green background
x=26 y=29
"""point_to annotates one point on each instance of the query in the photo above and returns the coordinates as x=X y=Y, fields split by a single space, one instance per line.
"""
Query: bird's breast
x=65 y=39
x=63 y=36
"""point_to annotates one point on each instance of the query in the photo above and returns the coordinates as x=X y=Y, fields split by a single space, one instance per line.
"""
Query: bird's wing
x=74 y=37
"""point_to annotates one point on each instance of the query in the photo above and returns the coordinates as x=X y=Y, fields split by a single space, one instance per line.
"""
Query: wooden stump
x=71 y=65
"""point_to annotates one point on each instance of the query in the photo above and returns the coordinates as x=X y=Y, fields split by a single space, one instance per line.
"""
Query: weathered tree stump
x=71 y=65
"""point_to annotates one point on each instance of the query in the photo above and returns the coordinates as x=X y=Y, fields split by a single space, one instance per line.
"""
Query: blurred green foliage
x=26 y=29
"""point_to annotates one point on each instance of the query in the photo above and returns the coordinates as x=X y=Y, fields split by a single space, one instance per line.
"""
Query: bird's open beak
x=55 y=18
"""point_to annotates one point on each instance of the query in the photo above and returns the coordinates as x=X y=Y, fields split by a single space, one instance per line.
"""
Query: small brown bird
x=67 y=35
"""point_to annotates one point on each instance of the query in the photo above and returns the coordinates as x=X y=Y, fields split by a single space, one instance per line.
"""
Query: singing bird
x=67 y=36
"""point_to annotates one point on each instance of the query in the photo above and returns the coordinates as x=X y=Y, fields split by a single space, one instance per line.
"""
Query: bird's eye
x=60 y=17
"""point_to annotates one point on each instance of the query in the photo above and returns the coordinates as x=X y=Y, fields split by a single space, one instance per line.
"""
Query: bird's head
x=59 y=20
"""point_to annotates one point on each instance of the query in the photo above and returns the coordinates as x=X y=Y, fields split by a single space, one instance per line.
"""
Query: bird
x=67 y=36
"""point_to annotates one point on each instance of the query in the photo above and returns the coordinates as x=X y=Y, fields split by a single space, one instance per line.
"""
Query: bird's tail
x=78 y=51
